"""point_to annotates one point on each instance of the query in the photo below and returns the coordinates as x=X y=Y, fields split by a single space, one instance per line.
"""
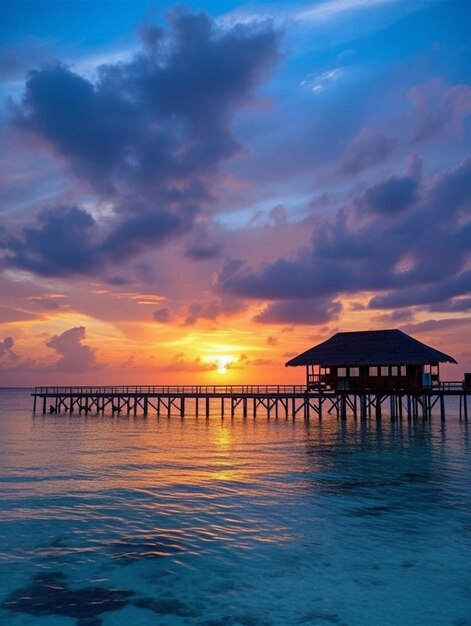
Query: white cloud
x=329 y=10
x=318 y=83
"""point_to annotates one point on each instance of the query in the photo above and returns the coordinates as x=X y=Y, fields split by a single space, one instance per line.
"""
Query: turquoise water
x=147 y=521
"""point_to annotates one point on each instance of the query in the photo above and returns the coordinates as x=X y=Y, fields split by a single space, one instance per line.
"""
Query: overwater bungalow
x=373 y=360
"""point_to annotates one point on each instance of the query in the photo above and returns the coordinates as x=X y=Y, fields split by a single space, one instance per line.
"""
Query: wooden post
x=392 y=401
x=207 y=407
x=378 y=407
x=343 y=407
x=362 y=406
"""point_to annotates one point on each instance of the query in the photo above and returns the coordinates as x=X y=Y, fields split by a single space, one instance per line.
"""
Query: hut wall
x=367 y=377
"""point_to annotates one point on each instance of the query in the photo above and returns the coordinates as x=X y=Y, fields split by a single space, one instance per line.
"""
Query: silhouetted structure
x=373 y=360
x=357 y=372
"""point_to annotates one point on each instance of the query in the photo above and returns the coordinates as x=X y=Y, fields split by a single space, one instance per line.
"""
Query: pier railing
x=218 y=390
x=190 y=390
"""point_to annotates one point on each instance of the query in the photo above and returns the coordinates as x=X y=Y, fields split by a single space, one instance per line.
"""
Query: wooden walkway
x=286 y=401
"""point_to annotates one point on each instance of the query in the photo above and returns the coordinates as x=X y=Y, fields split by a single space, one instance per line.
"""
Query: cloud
x=16 y=59
x=162 y=315
x=438 y=110
x=203 y=246
x=442 y=292
x=49 y=302
x=367 y=149
x=324 y=11
x=435 y=325
x=6 y=349
x=211 y=309
x=311 y=312
x=61 y=244
x=181 y=364
x=320 y=82
x=147 y=136
x=75 y=357
x=419 y=254
x=393 y=195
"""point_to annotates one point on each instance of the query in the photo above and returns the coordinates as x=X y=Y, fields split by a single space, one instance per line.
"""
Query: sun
x=223 y=363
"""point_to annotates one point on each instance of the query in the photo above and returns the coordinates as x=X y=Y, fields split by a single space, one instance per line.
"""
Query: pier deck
x=278 y=400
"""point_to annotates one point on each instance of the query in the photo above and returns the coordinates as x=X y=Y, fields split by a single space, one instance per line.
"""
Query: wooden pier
x=279 y=401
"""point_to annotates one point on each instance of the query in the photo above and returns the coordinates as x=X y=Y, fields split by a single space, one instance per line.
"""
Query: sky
x=195 y=193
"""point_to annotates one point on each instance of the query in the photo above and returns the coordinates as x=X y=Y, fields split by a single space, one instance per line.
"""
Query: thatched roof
x=371 y=347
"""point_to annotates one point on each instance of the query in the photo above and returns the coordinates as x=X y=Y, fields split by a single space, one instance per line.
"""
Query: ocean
x=131 y=520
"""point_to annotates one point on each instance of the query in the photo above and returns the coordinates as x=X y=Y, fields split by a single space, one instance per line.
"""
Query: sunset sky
x=196 y=193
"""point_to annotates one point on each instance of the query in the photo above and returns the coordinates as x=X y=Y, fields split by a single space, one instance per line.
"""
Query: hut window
x=354 y=371
x=394 y=370
x=403 y=370
x=325 y=370
x=341 y=372
x=384 y=370
x=373 y=371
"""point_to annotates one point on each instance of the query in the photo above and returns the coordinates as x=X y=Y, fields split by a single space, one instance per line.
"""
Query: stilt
x=417 y=404
x=378 y=407
x=343 y=408
x=393 y=402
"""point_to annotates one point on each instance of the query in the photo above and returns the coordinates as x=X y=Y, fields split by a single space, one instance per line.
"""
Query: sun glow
x=223 y=363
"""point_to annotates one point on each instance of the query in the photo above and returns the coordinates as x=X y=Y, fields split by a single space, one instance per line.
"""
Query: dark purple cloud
x=419 y=254
x=310 y=312
x=368 y=149
x=392 y=195
x=203 y=246
x=439 y=110
x=436 y=293
x=148 y=136
x=75 y=357
x=6 y=349
x=62 y=243
x=162 y=315
x=212 y=308
x=435 y=325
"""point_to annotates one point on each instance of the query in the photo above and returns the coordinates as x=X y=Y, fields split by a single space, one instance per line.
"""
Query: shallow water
x=136 y=521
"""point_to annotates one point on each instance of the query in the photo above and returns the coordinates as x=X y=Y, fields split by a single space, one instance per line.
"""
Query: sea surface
x=133 y=521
